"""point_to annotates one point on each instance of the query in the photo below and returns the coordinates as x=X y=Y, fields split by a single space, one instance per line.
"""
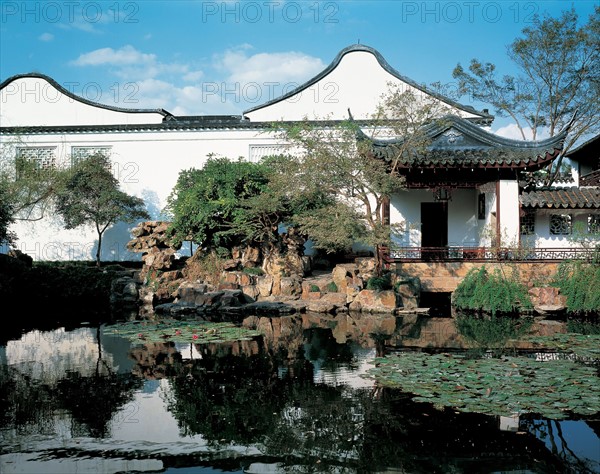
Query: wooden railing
x=489 y=254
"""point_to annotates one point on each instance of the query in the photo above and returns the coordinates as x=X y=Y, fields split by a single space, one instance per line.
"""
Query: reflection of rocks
x=154 y=360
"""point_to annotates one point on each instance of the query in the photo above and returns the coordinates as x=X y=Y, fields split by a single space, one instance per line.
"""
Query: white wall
x=509 y=212
x=33 y=101
x=147 y=165
x=463 y=226
x=542 y=229
x=357 y=83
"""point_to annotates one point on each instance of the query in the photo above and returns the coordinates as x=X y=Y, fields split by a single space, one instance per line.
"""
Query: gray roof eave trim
x=384 y=64
x=490 y=139
x=168 y=125
x=69 y=94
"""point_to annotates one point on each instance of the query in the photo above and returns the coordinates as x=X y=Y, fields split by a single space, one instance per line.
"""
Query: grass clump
x=253 y=271
x=332 y=287
x=493 y=293
x=580 y=283
x=314 y=288
x=380 y=283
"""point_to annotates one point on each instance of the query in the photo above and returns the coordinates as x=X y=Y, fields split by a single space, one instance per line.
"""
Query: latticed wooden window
x=79 y=153
x=43 y=157
x=34 y=158
x=528 y=222
x=561 y=224
x=593 y=222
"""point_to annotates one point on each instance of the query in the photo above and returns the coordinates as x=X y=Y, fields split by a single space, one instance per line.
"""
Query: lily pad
x=505 y=386
x=180 y=331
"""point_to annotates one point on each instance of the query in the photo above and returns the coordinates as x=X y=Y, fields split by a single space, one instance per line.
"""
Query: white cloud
x=127 y=55
x=512 y=131
x=46 y=37
x=193 y=76
x=233 y=81
x=282 y=68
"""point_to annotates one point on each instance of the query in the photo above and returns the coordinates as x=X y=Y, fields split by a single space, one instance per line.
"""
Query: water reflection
x=291 y=401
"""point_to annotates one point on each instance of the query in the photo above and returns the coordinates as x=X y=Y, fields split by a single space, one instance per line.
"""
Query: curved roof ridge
x=386 y=66
x=448 y=121
x=73 y=96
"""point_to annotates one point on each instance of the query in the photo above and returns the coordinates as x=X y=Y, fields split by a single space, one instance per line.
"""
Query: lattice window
x=40 y=157
x=260 y=151
x=528 y=222
x=561 y=224
x=593 y=224
x=79 y=153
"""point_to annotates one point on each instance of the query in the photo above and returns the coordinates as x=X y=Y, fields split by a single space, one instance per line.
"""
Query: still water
x=76 y=400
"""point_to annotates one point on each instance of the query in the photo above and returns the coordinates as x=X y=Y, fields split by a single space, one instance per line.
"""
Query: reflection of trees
x=26 y=405
x=551 y=432
x=93 y=400
x=229 y=397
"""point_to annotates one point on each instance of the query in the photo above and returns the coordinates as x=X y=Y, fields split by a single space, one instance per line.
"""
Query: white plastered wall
x=33 y=101
x=463 y=226
x=147 y=165
x=357 y=83
x=509 y=212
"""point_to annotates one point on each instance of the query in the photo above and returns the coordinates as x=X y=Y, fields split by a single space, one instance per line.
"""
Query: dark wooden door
x=434 y=228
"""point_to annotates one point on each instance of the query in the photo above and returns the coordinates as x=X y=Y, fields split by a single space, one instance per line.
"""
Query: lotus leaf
x=180 y=331
x=505 y=386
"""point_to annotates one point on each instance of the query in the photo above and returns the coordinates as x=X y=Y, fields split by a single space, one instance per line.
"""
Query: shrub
x=253 y=271
x=493 y=293
x=314 y=288
x=332 y=287
x=380 y=283
x=580 y=283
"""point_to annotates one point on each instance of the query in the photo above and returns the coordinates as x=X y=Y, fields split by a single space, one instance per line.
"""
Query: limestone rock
x=372 y=301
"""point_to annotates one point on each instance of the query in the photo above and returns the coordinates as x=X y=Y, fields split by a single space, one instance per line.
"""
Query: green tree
x=205 y=203
x=90 y=195
x=558 y=63
x=27 y=186
x=337 y=162
x=6 y=216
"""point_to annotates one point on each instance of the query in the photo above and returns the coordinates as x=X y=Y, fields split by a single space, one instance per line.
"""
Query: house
x=468 y=181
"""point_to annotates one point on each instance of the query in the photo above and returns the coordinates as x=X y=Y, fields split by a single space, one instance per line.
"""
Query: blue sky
x=200 y=57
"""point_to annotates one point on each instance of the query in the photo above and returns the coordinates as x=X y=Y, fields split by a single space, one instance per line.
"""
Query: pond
x=84 y=399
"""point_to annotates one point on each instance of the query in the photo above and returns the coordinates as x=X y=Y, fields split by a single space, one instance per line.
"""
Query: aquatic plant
x=493 y=293
x=172 y=330
x=507 y=386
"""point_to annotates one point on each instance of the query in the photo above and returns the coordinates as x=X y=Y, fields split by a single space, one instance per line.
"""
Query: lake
x=78 y=399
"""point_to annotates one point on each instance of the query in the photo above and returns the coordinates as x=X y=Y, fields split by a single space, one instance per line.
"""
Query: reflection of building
x=468 y=181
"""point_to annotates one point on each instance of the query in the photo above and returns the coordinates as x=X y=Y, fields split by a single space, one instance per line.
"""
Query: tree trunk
x=99 y=249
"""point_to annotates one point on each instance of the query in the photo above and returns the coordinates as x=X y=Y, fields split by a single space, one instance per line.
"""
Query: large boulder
x=373 y=301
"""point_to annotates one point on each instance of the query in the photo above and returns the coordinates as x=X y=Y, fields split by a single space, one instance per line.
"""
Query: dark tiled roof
x=456 y=142
x=567 y=198
x=590 y=179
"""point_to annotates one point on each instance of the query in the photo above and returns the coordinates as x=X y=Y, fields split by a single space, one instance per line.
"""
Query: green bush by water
x=580 y=283
x=493 y=293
